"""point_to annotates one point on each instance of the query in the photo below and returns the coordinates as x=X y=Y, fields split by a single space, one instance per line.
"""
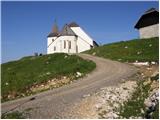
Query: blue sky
x=25 y=25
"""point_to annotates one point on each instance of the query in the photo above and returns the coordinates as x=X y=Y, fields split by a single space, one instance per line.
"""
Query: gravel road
x=54 y=103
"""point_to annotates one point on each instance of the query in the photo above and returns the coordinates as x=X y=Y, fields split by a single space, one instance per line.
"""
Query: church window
x=54 y=48
x=69 y=44
x=64 y=44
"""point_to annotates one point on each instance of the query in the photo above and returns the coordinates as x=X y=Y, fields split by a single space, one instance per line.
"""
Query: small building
x=71 y=39
x=148 y=24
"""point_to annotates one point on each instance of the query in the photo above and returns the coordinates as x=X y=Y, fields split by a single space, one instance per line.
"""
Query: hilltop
x=33 y=74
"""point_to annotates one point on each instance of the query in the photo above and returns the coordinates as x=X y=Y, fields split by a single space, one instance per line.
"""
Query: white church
x=72 y=39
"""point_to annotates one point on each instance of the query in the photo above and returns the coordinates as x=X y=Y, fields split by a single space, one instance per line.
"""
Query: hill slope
x=19 y=76
x=138 y=49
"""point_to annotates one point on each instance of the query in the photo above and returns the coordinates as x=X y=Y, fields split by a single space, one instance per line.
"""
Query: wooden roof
x=150 y=17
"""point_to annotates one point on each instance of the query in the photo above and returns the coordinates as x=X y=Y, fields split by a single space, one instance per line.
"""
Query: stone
x=48 y=73
x=78 y=74
x=140 y=63
x=97 y=106
x=126 y=47
x=139 y=52
x=86 y=95
x=94 y=53
x=64 y=77
x=153 y=63
x=150 y=45
x=6 y=83
x=142 y=111
x=42 y=85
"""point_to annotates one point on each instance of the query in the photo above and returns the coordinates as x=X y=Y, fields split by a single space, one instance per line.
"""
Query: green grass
x=133 y=106
x=155 y=114
x=138 y=49
x=18 y=76
x=13 y=115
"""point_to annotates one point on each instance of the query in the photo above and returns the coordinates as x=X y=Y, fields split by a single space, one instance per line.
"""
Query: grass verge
x=129 y=51
x=13 y=115
x=135 y=106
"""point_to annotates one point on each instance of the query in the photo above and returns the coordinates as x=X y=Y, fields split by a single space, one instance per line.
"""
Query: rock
x=150 y=45
x=48 y=73
x=65 y=56
x=153 y=63
x=126 y=47
x=6 y=83
x=64 y=77
x=155 y=73
x=47 y=62
x=112 y=115
x=140 y=63
x=139 y=52
x=148 y=103
x=142 y=111
x=42 y=85
x=78 y=74
x=146 y=82
x=97 y=106
x=94 y=53
x=86 y=95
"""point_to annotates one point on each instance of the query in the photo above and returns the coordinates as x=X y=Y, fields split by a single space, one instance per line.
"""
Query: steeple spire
x=55 y=27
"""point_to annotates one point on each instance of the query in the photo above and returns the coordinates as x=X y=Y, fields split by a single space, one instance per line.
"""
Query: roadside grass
x=18 y=76
x=13 y=115
x=135 y=106
x=155 y=114
x=129 y=51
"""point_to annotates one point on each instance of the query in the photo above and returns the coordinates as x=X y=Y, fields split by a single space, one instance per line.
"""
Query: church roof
x=73 y=24
x=53 y=34
x=150 y=17
x=55 y=31
x=67 y=31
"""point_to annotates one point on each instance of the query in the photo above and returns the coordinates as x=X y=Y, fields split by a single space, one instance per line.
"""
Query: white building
x=148 y=24
x=72 y=39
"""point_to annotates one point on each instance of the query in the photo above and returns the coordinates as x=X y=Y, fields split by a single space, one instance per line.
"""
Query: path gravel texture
x=54 y=103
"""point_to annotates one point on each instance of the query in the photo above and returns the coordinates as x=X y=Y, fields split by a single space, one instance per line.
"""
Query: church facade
x=71 y=39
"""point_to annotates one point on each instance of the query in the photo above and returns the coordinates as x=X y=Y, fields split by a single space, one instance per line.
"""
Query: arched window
x=69 y=42
x=64 y=44
x=54 y=48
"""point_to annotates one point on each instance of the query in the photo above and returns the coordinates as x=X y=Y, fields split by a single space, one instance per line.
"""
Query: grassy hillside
x=19 y=76
x=138 y=49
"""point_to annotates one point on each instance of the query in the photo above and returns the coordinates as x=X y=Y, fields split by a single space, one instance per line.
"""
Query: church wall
x=81 y=33
x=58 y=45
x=82 y=45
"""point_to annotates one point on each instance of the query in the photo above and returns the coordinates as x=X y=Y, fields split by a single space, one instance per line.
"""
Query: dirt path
x=54 y=103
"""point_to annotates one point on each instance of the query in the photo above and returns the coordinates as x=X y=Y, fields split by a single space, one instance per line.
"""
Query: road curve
x=53 y=103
